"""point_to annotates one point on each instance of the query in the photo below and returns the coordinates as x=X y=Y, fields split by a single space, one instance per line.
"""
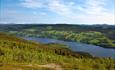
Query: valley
x=31 y=47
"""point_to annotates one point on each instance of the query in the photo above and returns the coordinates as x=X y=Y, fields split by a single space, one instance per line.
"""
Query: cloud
x=34 y=4
x=94 y=6
x=92 y=19
x=89 y=11
x=58 y=7
x=53 y=5
x=95 y=11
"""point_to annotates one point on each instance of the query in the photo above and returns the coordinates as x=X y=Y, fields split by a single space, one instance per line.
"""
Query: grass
x=16 y=54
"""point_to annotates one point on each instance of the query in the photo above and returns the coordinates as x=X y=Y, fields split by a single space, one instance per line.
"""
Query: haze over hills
x=104 y=24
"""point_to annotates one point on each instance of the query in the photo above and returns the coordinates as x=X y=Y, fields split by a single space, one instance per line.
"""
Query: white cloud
x=94 y=11
x=95 y=6
x=92 y=19
x=34 y=4
x=89 y=12
x=58 y=7
x=53 y=5
x=71 y=3
x=43 y=13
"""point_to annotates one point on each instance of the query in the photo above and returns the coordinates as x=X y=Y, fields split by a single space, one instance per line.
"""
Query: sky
x=58 y=11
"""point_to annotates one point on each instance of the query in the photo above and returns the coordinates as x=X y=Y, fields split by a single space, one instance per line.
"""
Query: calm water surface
x=75 y=46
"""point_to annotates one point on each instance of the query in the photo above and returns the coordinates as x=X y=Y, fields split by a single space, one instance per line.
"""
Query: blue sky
x=58 y=11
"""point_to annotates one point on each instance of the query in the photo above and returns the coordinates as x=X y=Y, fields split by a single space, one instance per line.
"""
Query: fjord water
x=95 y=51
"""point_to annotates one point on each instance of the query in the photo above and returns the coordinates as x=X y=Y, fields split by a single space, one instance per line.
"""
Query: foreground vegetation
x=16 y=53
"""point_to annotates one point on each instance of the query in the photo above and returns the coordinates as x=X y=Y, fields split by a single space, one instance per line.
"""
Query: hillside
x=17 y=53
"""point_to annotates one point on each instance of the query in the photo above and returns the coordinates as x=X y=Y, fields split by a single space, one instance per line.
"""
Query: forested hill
x=58 y=27
x=108 y=30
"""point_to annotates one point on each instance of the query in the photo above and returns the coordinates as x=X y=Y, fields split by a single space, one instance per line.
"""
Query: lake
x=95 y=51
